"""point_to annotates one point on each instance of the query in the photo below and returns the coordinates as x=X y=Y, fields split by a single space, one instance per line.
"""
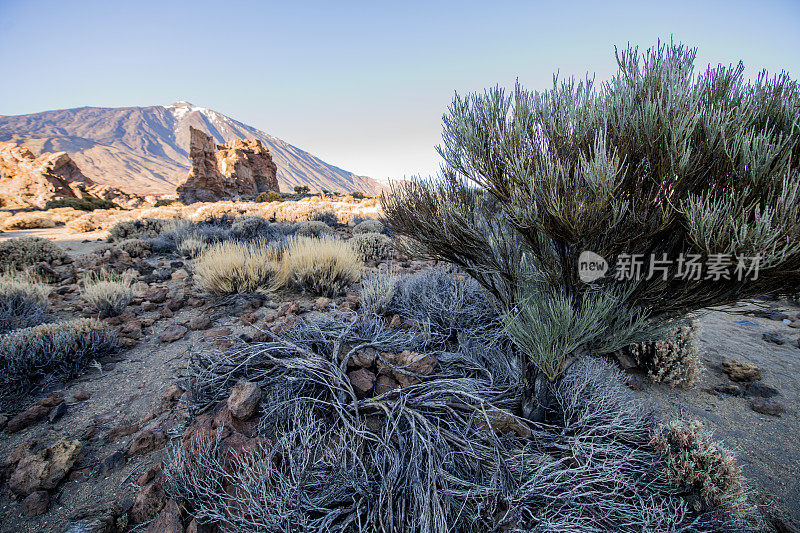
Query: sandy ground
x=767 y=447
x=74 y=244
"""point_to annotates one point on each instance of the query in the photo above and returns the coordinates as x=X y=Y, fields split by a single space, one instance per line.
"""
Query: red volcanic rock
x=227 y=171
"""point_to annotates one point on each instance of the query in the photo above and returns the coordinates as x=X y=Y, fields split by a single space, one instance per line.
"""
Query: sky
x=362 y=85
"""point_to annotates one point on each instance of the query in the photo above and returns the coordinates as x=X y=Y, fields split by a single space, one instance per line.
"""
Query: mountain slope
x=145 y=149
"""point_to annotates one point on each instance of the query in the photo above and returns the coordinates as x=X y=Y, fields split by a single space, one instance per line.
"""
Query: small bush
x=252 y=227
x=27 y=251
x=313 y=228
x=697 y=463
x=368 y=226
x=371 y=246
x=23 y=302
x=191 y=247
x=377 y=292
x=323 y=266
x=136 y=247
x=301 y=189
x=87 y=203
x=358 y=195
x=233 y=267
x=163 y=202
x=136 y=229
x=83 y=224
x=107 y=293
x=325 y=215
x=49 y=351
x=28 y=221
x=674 y=361
x=270 y=196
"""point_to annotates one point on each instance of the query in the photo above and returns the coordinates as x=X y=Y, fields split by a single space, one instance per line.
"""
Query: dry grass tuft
x=23 y=302
x=231 y=267
x=324 y=266
x=108 y=293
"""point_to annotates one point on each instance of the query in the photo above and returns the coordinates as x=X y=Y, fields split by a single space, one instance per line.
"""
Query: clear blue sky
x=360 y=84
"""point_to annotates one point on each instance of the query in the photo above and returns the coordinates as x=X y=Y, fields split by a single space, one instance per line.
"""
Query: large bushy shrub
x=368 y=226
x=28 y=221
x=313 y=228
x=662 y=161
x=142 y=228
x=27 y=251
x=60 y=350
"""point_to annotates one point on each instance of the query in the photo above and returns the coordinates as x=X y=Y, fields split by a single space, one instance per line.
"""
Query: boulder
x=226 y=171
x=168 y=520
x=36 y=503
x=26 y=418
x=45 y=469
x=149 y=502
x=244 y=399
x=173 y=333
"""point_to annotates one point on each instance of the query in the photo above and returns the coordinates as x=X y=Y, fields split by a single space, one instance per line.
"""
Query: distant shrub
x=136 y=247
x=313 y=228
x=163 y=202
x=23 y=302
x=249 y=228
x=323 y=266
x=270 y=196
x=108 y=293
x=325 y=215
x=28 y=221
x=358 y=195
x=371 y=246
x=368 y=226
x=234 y=267
x=87 y=203
x=83 y=224
x=191 y=247
x=697 y=463
x=674 y=360
x=377 y=292
x=27 y=251
x=301 y=189
x=49 y=351
x=63 y=215
x=136 y=229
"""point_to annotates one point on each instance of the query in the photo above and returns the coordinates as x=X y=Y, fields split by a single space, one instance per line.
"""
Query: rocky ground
x=88 y=452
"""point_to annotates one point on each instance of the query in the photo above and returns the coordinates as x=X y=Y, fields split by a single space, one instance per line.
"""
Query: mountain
x=145 y=149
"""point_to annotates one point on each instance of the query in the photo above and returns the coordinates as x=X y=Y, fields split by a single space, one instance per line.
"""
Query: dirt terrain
x=126 y=399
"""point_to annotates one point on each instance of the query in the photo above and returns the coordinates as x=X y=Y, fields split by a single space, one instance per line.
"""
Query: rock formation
x=227 y=171
x=30 y=181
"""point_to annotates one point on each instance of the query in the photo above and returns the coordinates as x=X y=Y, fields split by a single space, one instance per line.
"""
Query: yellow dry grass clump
x=28 y=221
x=108 y=293
x=230 y=267
x=324 y=266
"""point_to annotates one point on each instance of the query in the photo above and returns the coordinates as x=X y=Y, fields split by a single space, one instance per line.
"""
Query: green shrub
x=661 y=161
x=270 y=196
x=697 y=463
x=163 y=202
x=371 y=246
x=27 y=251
x=323 y=266
x=301 y=189
x=23 y=302
x=49 y=351
x=137 y=229
x=368 y=226
x=87 y=203
x=313 y=228
x=358 y=195
x=108 y=293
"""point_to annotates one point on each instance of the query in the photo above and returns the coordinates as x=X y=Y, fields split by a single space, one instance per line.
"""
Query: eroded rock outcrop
x=27 y=180
x=227 y=171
